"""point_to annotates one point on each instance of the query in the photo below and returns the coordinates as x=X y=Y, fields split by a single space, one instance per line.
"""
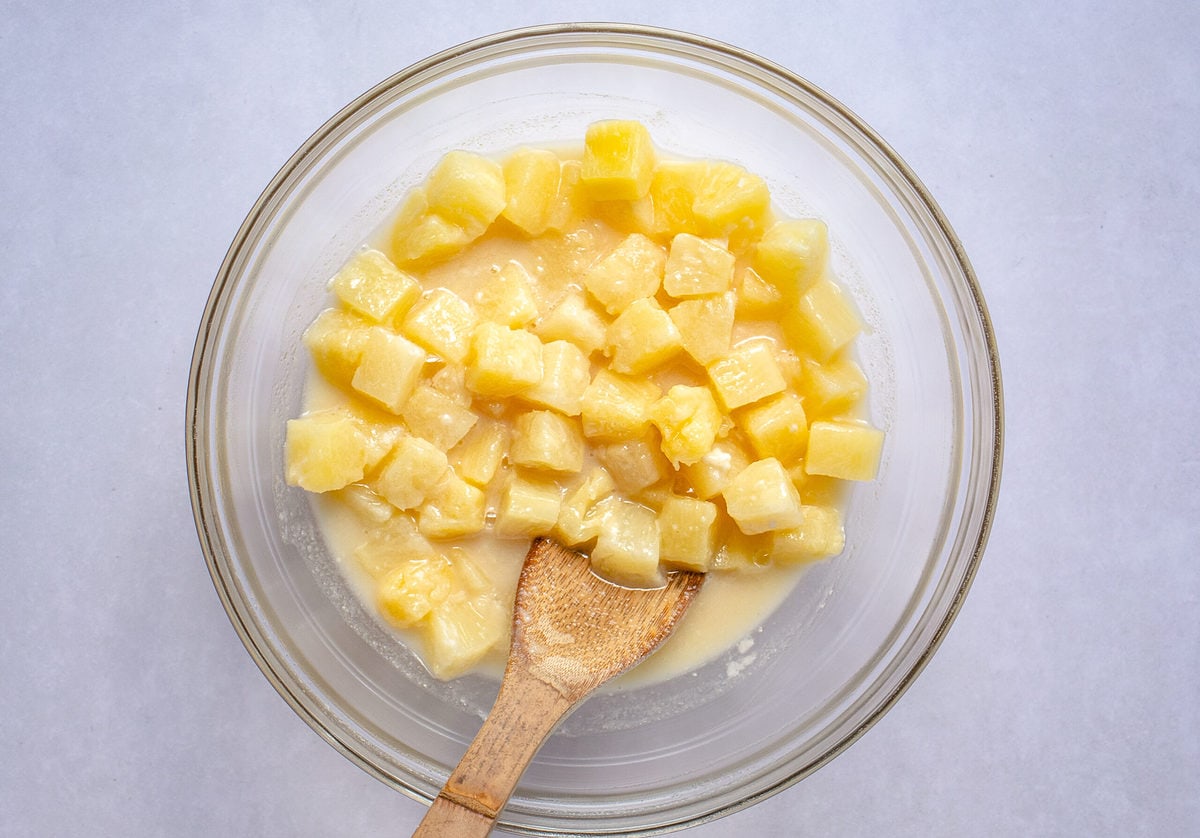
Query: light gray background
x=1061 y=140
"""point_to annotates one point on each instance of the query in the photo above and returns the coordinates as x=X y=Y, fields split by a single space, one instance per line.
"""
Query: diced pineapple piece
x=420 y=236
x=748 y=373
x=822 y=321
x=627 y=545
x=375 y=288
x=819 y=536
x=531 y=177
x=575 y=321
x=776 y=427
x=410 y=473
x=442 y=322
x=432 y=415
x=689 y=420
x=392 y=544
x=792 y=255
x=366 y=503
x=462 y=630
x=452 y=509
x=503 y=362
x=762 y=498
x=618 y=160
x=467 y=190
x=705 y=326
x=641 y=338
x=835 y=386
x=577 y=522
x=566 y=374
x=336 y=339
x=325 y=451
x=738 y=552
x=507 y=297
x=527 y=508
x=451 y=381
x=631 y=271
x=570 y=204
x=790 y=366
x=696 y=268
x=543 y=439
x=847 y=450
x=478 y=456
x=728 y=196
x=389 y=368
x=672 y=194
x=712 y=473
x=756 y=298
x=635 y=463
x=686 y=528
x=616 y=406
x=411 y=590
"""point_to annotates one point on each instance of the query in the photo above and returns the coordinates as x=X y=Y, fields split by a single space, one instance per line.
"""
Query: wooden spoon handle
x=526 y=711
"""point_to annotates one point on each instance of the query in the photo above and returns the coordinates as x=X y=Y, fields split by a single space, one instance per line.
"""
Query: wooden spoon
x=571 y=632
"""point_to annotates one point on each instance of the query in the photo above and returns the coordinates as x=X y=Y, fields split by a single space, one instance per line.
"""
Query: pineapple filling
x=631 y=355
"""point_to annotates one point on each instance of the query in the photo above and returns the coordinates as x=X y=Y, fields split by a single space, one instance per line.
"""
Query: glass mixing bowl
x=854 y=632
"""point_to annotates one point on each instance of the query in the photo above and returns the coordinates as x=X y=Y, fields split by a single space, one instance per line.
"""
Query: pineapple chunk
x=543 y=439
x=747 y=374
x=375 y=288
x=689 y=421
x=434 y=416
x=336 y=339
x=712 y=473
x=705 y=326
x=391 y=545
x=325 y=451
x=451 y=381
x=696 y=268
x=835 y=386
x=822 y=321
x=531 y=178
x=616 y=406
x=441 y=322
x=527 y=508
x=762 y=498
x=461 y=630
x=776 y=427
x=672 y=194
x=389 y=368
x=686 y=530
x=618 y=160
x=635 y=463
x=503 y=362
x=757 y=298
x=507 y=297
x=577 y=522
x=570 y=204
x=575 y=321
x=410 y=473
x=366 y=503
x=452 y=509
x=566 y=375
x=631 y=271
x=627 y=545
x=420 y=236
x=738 y=552
x=641 y=338
x=467 y=190
x=412 y=589
x=478 y=456
x=728 y=196
x=792 y=255
x=847 y=450
x=819 y=536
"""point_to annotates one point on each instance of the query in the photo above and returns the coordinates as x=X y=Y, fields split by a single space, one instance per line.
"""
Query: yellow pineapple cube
x=616 y=406
x=442 y=322
x=575 y=321
x=366 y=503
x=461 y=630
x=390 y=545
x=618 y=160
x=776 y=427
x=543 y=439
x=792 y=255
x=762 y=498
x=531 y=177
x=375 y=288
x=712 y=473
x=451 y=381
x=672 y=194
x=571 y=203
x=566 y=374
x=630 y=271
x=503 y=362
x=467 y=190
x=577 y=522
x=687 y=528
x=336 y=339
x=847 y=450
x=389 y=368
x=634 y=463
x=507 y=297
x=689 y=420
x=410 y=473
x=528 y=508
x=728 y=196
x=757 y=298
x=696 y=268
x=822 y=321
x=420 y=236
x=325 y=451
x=453 y=508
x=738 y=552
x=747 y=374
x=627 y=544
x=835 y=386
x=412 y=589
x=479 y=454
x=705 y=326
x=641 y=338
x=436 y=417
x=819 y=536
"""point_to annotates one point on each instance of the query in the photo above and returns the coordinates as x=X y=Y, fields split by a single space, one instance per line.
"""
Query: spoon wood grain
x=571 y=632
